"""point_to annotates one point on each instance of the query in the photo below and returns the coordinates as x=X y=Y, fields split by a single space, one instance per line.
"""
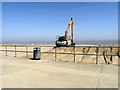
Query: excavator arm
x=68 y=28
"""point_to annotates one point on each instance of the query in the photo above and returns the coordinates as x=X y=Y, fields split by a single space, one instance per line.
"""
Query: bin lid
x=37 y=48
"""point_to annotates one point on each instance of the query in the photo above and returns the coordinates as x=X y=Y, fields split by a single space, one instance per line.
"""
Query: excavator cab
x=61 y=38
x=61 y=41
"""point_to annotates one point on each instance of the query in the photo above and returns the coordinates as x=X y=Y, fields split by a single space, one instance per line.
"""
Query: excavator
x=64 y=40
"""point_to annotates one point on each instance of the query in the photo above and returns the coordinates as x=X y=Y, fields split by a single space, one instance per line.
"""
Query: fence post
x=118 y=51
x=55 y=54
x=15 y=51
x=6 y=50
x=97 y=55
x=27 y=51
x=111 y=59
x=74 y=53
x=40 y=52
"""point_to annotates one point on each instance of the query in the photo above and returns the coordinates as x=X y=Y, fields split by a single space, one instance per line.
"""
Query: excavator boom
x=68 y=28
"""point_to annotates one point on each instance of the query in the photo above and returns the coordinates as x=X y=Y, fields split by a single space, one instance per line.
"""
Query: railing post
x=118 y=51
x=55 y=54
x=40 y=52
x=111 y=59
x=6 y=50
x=97 y=49
x=27 y=51
x=74 y=53
x=15 y=51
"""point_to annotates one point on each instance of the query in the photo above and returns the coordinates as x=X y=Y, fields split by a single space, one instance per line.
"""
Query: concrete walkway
x=26 y=73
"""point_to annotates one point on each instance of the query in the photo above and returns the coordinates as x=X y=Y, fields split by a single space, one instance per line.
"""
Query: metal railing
x=56 y=53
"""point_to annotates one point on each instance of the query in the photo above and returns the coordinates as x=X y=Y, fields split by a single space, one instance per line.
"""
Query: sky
x=43 y=21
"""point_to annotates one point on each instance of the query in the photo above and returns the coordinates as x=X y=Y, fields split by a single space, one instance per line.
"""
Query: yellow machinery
x=63 y=40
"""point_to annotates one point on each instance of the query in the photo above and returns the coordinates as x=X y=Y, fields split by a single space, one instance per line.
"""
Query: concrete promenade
x=26 y=73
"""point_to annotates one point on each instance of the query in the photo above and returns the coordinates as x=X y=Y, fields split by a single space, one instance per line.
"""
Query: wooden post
x=27 y=51
x=118 y=52
x=40 y=52
x=55 y=54
x=97 y=49
x=74 y=53
x=111 y=59
x=15 y=51
x=6 y=50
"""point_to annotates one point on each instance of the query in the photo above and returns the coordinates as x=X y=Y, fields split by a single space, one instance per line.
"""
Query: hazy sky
x=39 y=21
